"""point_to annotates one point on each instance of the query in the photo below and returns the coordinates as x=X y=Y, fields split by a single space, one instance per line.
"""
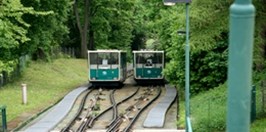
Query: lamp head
x=181 y=32
x=169 y=2
x=173 y=2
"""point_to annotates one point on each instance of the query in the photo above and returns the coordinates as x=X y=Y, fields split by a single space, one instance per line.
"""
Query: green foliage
x=13 y=32
x=208 y=42
x=111 y=24
x=260 y=35
x=207 y=68
x=49 y=31
x=209 y=19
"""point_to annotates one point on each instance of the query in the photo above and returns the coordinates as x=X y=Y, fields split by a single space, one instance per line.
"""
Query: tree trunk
x=83 y=45
x=91 y=40
x=83 y=29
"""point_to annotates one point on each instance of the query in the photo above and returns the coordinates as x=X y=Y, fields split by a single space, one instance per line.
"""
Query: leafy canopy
x=13 y=31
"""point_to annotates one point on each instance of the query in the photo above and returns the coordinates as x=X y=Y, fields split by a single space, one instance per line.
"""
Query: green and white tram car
x=148 y=67
x=107 y=67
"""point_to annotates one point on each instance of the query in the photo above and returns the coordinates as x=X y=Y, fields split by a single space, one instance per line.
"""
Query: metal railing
x=263 y=96
x=69 y=52
x=6 y=77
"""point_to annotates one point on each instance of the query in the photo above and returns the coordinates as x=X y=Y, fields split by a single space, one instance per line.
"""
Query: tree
x=83 y=28
x=208 y=41
x=13 y=32
x=104 y=24
x=46 y=31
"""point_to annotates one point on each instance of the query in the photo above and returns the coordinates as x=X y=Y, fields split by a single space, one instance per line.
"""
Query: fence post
x=253 y=104
x=3 y=124
x=1 y=79
x=22 y=63
x=73 y=52
x=65 y=50
x=263 y=94
x=5 y=77
x=24 y=93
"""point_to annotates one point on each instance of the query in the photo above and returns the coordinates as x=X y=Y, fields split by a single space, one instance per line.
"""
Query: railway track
x=84 y=114
x=114 y=106
x=125 y=120
x=121 y=110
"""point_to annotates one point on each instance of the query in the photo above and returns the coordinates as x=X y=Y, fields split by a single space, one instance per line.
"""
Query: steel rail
x=114 y=125
x=141 y=110
x=88 y=116
x=86 y=120
x=79 y=111
x=118 y=122
x=114 y=106
x=120 y=102
x=84 y=124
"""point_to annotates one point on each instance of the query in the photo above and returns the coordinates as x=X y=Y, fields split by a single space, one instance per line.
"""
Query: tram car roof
x=105 y=50
x=148 y=51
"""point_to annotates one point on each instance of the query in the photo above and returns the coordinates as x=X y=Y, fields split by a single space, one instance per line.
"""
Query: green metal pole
x=187 y=66
x=242 y=15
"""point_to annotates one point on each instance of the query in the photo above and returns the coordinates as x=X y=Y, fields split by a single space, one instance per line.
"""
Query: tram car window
x=106 y=67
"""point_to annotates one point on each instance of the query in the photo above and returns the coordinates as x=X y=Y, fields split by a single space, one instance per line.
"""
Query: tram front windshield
x=149 y=58
x=103 y=58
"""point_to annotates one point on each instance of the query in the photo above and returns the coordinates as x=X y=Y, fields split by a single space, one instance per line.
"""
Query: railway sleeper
x=102 y=98
x=125 y=118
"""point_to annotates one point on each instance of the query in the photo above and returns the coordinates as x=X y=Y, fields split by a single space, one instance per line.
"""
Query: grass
x=181 y=123
x=208 y=111
x=259 y=125
x=46 y=84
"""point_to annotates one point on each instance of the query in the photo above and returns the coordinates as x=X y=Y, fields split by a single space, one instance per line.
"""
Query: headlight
x=104 y=73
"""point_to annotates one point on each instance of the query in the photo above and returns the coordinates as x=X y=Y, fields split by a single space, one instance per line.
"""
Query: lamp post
x=242 y=16
x=187 y=49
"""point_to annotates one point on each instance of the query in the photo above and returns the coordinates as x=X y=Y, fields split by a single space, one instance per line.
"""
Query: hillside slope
x=46 y=83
